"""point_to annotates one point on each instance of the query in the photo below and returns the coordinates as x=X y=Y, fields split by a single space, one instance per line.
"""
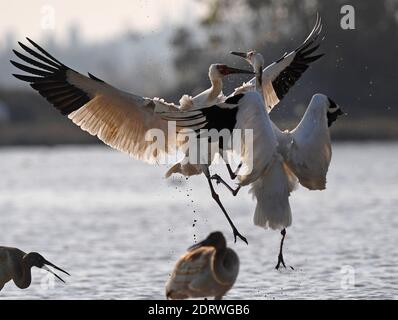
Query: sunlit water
x=118 y=226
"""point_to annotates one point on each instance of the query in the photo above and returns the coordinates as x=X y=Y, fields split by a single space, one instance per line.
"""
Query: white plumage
x=214 y=94
x=307 y=149
x=279 y=76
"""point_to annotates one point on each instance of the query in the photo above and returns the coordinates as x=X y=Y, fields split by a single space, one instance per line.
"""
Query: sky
x=95 y=19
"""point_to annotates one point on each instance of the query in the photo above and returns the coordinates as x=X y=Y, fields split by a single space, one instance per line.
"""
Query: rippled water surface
x=118 y=226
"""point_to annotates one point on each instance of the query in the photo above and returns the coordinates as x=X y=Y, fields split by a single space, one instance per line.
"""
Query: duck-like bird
x=16 y=265
x=208 y=269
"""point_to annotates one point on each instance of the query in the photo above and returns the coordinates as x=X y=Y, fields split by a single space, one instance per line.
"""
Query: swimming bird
x=16 y=265
x=122 y=120
x=212 y=95
x=208 y=269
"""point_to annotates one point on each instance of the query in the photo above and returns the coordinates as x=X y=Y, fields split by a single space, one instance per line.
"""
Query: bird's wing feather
x=118 y=118
x=281 y=75
x=309 y=149
x=218 y=117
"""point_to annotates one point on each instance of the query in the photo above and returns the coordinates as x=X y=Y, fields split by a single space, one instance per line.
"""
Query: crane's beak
x=230 y=70
x=55 y=267
x=239 y=54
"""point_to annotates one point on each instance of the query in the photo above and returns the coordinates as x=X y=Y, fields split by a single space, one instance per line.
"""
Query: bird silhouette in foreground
x=16 y=265
x=208 y=269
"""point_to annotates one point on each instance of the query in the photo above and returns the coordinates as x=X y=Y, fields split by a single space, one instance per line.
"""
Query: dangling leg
x=280 y=256
x=233 y=174
x=217 y=199
x=221 y=180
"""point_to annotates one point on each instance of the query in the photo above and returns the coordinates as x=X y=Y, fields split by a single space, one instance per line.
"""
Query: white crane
x=120 y=119
x=278 y=77
x=212 y=95
x=278 y=157
x=16 y=265
x=208 y=269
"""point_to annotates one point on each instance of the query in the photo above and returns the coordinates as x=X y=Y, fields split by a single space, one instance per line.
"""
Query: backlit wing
x=119 y=119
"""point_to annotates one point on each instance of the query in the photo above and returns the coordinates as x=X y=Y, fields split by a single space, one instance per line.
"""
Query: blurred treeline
x=359 y=69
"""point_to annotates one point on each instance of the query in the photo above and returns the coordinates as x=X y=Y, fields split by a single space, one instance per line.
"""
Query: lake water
x=118 y=226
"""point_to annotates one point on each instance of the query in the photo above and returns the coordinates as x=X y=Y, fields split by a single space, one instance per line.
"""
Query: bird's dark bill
x=239 y=54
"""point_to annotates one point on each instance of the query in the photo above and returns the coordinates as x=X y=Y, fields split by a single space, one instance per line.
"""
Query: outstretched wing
x=281 y=75
x=218 y=117
x=308 y=148
x=118 y=118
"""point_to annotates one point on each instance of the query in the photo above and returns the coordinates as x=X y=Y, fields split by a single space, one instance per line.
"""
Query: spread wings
x=281 y=75
x=118 y=118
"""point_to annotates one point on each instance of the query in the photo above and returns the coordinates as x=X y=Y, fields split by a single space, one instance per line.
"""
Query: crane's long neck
x=24 y=280
x=215 y=89
x=259 y=80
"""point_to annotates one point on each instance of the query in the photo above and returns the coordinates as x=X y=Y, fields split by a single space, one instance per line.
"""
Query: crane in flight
x=121 y=120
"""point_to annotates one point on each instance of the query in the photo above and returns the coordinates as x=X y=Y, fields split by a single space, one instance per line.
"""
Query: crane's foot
x=221 y=180
x=280 y=256
x=280 y=261
x=237 y=234
x=217 y=178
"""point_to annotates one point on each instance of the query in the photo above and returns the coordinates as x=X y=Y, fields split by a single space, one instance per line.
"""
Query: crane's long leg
x=280 y=256
x=217 y=199
x=233 y=174
x=221 y=180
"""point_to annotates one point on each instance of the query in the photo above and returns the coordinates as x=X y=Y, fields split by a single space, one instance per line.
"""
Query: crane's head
x=333 y=110
x=215 y=239
x=218 y=71
x=35 y=259
x=255 y=59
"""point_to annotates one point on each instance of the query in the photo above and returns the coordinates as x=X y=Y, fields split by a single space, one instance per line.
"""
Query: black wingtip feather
x=95 y=78
x=51 y=79
x=234 y=99
x=44 y=51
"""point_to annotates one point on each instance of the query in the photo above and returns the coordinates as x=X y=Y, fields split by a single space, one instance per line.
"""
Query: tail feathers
x=186 y=169
x=293 y=181
x=272 y=192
